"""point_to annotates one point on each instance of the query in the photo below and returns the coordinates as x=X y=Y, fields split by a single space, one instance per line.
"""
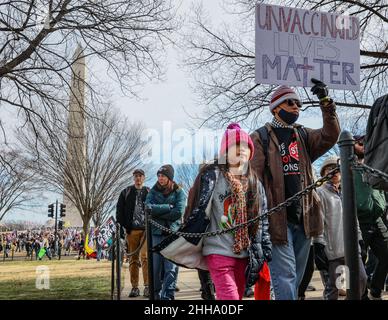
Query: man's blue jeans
x=165 y=273
x=289 y=263
x=99 y=252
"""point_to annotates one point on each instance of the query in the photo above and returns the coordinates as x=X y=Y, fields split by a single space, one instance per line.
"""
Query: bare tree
x=91 y=177
x=222 y=60
x=103 y=214
x=186 y=174
x=38 y=39
x=17 y=184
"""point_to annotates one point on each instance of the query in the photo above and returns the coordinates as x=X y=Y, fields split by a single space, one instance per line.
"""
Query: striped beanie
x=280 y=95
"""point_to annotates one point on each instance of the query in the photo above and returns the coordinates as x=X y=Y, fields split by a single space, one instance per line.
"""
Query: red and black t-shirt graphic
x=289 y=153
x=290 y=156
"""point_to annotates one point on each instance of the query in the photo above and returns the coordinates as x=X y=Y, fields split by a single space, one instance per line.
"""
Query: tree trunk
x=85 y=226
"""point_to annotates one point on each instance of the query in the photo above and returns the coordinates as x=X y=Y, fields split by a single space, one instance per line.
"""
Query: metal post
x=346 y=145
x=56 y=229
x=151 y=286
x=118 y=262
x=112 y=284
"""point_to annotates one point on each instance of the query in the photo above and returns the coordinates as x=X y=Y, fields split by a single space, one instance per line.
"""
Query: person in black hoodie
x=130 y=214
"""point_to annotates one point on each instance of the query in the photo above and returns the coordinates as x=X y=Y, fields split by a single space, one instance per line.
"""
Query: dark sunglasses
x=291 y=102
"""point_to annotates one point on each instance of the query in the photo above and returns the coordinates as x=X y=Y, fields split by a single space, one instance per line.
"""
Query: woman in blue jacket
x=166 y=201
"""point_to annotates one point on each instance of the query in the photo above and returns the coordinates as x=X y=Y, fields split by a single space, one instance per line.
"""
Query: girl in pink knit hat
x=236 y=147
x=225 y=194
x=237 y=197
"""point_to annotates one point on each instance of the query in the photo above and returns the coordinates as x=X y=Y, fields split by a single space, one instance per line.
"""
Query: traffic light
x=62 y=210
x=51 y=210
x=60 y=225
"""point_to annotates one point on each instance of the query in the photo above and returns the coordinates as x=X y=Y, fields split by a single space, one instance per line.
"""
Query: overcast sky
x=165 y=103
x=161 y=103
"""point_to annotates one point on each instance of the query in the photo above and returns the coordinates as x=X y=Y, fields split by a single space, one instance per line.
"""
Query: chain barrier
x=135 y=252
x=366 y=169
x=266 y=214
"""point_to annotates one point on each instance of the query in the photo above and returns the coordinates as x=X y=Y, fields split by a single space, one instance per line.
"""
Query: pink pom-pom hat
x=234 y=135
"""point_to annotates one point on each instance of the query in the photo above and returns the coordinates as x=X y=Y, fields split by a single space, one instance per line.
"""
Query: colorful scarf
x=239 y=210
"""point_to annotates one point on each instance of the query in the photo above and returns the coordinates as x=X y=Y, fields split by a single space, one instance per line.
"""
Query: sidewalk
x=189 y=285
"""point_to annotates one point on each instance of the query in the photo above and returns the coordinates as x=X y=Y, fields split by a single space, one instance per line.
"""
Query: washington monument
x=76 y=144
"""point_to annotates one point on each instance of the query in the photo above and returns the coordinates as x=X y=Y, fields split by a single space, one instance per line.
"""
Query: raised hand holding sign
x=320 y=90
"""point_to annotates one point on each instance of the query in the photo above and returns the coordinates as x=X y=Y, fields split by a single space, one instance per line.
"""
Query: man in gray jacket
x=330 y=245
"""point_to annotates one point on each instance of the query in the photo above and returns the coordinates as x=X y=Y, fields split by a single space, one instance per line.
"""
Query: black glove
x=321 y=260
x=320 y=89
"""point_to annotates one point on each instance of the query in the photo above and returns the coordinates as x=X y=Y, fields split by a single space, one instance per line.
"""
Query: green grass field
x=68 y=279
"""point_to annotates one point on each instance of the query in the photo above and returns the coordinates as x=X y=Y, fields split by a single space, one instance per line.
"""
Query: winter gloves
x=320 y=90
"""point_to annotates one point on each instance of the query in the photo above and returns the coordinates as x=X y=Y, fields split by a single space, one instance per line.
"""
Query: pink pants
x=228 y=275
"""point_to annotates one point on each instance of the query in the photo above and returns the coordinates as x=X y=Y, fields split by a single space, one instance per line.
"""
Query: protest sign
x=294 y=45
x=106 y=231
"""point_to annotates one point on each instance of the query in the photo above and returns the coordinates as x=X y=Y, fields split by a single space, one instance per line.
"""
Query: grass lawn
x=68 y=279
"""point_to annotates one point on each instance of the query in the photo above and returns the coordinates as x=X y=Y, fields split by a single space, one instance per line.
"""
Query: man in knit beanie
x=284 y=152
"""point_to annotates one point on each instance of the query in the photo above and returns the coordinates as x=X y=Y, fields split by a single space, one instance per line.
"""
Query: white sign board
x=295 y=45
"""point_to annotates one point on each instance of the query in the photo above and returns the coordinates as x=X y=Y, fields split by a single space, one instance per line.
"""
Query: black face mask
x=288 y=117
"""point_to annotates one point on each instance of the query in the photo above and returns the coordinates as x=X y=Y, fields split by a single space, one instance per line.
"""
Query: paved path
x=189 y=285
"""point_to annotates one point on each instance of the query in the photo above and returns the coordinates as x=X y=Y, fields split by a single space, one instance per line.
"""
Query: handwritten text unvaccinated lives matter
x=294 y=45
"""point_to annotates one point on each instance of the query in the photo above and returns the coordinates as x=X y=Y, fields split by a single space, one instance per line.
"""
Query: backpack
x=264 y=137
x=376 y=142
